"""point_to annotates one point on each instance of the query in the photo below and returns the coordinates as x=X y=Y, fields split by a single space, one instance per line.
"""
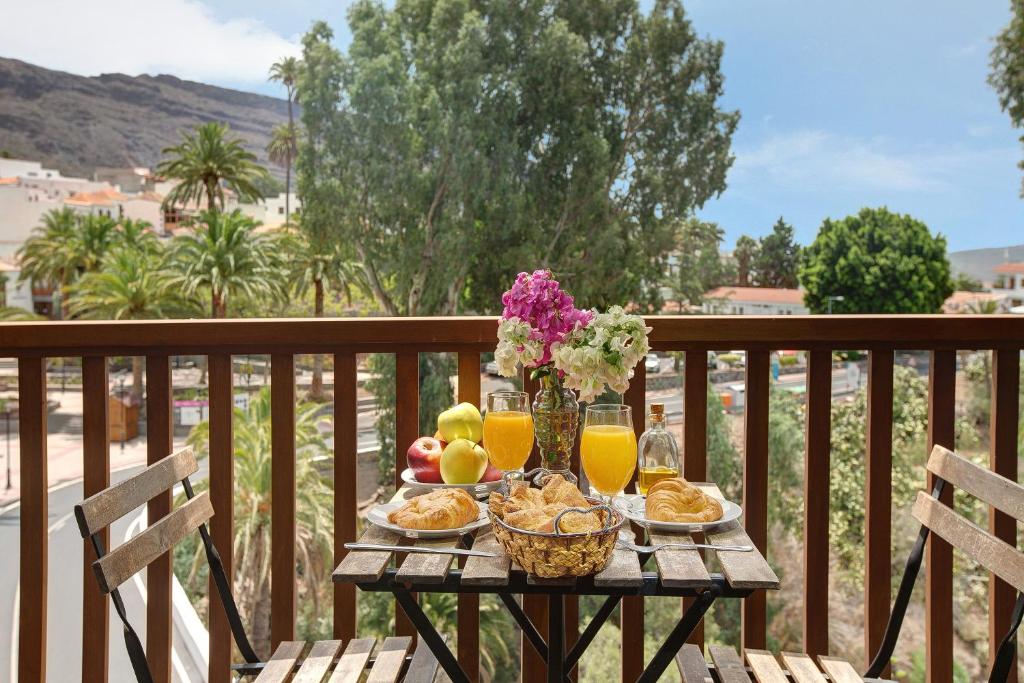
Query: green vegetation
x=777 y=257
x=700 y=266
x=1007 y=64
x=879 y=262
x=283 y=146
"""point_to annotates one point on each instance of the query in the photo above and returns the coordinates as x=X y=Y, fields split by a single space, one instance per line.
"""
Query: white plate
x=632 y=506
x=379 y=517
x=479 y=490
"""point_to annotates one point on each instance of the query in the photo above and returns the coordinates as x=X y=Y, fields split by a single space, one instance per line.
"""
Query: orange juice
x=508 y=438
x=608 y=453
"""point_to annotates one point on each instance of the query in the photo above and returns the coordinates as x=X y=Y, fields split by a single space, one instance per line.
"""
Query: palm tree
x=282 y=150
x=314 y=520
x=286 y=72
x=137 y=234
x=227 y=256
x=317 y=264
x=206 y=162
x=133 y=285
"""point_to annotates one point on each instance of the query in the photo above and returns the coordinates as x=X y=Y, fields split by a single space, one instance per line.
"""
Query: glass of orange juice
x=608 y=448
x=508 y=430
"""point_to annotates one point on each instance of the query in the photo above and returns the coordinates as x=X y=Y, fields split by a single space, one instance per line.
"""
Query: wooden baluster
x=469 y=604
x=816 y=494
x=282 y=498
x=1005 y=406
x=695 y=438
x=631 y=611
x=939 y=554
x=159 y=444
x=535 y=606
x=407 y=430
x=753 y=618
x=878 y=502
x=32 y=412
x=222 y=497
x=346 y=444
x=96 y=460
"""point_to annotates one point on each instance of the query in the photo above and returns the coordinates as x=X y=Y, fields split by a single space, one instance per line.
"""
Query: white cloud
x=818 y=160
x=180 y=37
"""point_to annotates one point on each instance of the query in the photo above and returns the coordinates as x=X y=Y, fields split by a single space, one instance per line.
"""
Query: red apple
x=424 y=457
x=492 y=473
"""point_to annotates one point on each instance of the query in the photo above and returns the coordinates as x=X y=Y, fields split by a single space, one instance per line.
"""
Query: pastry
x=439 y=509
x=677 y=500
x=558 y=490
x=535 y=509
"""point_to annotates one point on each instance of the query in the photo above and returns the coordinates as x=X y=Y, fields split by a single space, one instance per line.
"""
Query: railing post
x=939 y=554
x=407 y=429
x=754 y=619
x=816 y=495
x=222 y=497
x=631 y=610
x=96 y=471
x=346 y=447
x=878 y=502
x=159 y=444
x=32 y=413
x=695 y=439
x=469 y=604
x=282 y=498
x=1005 y=406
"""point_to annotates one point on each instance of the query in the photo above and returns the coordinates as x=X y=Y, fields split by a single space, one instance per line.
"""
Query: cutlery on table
x=687 y=546
x=419 y=549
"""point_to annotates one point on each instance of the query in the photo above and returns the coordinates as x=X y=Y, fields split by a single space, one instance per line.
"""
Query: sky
x=843 y=104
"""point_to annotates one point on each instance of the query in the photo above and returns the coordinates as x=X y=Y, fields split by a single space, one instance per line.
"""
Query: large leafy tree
x=745 y=255
x=778 y=257
x=224 y=256
x=700 y=265
x=879 y=262
x=206 y=162
x=1007 y=64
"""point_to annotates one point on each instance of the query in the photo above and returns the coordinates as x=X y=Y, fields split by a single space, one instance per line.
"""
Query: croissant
x=677 y=500
x=536 y=509
x=439 y=509
x=558 y=490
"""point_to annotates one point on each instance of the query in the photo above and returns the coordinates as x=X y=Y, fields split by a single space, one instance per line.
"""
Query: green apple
x=461 y=422
x=463 y=462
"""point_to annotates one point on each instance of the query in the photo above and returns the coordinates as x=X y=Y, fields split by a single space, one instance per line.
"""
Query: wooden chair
x=120 y=564
x=1000 y=558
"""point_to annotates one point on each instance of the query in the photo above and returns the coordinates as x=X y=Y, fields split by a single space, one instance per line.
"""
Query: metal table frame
x=552 y=651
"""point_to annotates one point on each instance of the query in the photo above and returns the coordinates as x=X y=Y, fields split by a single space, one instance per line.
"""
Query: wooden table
x=676 y=573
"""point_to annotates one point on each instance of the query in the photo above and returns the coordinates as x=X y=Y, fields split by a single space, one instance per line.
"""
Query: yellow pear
x=463 y=462
x=461 y=422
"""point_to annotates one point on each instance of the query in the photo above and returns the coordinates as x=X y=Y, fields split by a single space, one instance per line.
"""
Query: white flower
x=603 y=353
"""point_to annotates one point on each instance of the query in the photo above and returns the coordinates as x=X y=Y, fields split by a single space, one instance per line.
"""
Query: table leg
x=430 y=636
x=556 y=638
x=678 y=636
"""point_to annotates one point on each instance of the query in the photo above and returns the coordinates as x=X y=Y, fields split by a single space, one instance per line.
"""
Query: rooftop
x=1010 y=268
x=768 y=295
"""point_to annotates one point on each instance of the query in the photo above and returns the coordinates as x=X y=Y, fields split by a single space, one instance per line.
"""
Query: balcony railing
x=942 y=336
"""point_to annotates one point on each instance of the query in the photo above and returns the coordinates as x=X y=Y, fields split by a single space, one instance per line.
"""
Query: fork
x=688 y=546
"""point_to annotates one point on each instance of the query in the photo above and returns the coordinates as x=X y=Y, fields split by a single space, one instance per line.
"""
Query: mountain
x=76 y=123
x=979 y=263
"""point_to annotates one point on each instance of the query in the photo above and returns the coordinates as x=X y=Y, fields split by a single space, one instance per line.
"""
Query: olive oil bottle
x=657 y=453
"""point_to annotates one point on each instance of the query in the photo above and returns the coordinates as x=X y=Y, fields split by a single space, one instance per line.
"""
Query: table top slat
x=742 y=569
x=367 y=565
x=679 y=568
x=622 y=570
x=427 y=567
x=487 y=571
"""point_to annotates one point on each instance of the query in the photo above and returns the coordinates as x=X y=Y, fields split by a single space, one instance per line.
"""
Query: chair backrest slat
x=109 y=505
x=998 y=557
x=136 y=553
x=998 y=491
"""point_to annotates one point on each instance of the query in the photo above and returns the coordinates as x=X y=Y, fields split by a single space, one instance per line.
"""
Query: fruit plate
x=479 y=489
x=632 y=506
x=379 y=517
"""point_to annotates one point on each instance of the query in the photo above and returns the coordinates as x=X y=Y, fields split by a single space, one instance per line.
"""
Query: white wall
x=22 y=209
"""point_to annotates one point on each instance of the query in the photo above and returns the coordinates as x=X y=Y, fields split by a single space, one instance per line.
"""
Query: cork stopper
x=657 y=409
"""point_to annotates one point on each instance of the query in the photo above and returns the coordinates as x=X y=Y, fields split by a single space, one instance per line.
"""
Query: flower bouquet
x=566 y=349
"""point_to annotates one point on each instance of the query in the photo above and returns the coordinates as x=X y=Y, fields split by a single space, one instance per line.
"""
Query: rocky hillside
x=74 y=123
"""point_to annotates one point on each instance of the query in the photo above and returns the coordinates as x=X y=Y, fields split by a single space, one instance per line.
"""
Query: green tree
x=225 y=256
x=1007 y=69
x=879 y=262
x=205 y=162
x=132 y=285
x=281 y=150
x=962 y=282
x=700 y=266
x=778 y=257
x=745 y=255
x=314 y=522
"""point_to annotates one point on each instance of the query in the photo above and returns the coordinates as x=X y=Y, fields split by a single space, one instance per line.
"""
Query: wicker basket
x=557 y=555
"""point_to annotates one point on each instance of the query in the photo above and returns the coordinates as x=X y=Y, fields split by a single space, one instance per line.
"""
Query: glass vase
x=556 y=419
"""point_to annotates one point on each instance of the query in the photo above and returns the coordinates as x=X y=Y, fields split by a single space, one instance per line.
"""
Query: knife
x=419 y=549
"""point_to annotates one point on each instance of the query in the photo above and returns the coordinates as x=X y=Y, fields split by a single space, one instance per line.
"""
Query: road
x=64 y=625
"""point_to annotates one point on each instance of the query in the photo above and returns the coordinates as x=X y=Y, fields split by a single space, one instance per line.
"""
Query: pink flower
x=538 y=300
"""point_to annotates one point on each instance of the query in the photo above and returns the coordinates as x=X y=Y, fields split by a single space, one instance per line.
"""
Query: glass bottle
x=657 y=453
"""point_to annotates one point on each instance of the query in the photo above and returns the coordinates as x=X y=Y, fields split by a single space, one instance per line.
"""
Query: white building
x=19 y=295
x=1009 y=284
x=754 y=301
